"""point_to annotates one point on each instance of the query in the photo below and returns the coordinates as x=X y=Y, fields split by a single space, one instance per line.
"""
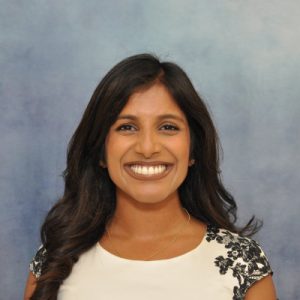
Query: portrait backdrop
x=242 y=56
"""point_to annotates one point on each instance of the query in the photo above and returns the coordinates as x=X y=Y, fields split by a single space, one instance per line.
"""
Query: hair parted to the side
x=77 y=221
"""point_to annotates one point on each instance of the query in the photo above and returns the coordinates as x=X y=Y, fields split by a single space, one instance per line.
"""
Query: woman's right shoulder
x=36 y=265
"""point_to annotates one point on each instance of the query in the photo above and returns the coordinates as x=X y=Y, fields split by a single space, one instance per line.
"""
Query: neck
x=146 y=221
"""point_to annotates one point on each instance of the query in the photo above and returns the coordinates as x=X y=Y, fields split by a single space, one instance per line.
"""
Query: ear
x=191 y=162
x=102 y=164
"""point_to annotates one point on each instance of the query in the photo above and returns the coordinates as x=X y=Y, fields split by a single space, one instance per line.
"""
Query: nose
x=147 y=144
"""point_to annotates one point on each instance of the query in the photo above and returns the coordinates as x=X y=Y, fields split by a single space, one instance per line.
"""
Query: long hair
x=77 y=221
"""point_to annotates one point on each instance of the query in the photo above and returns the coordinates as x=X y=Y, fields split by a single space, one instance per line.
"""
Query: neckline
x=117 y=258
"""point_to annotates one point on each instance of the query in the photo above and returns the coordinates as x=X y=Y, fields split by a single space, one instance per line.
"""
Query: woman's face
x=147 y=148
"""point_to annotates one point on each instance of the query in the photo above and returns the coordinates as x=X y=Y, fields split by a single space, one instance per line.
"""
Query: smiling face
x=147 y=148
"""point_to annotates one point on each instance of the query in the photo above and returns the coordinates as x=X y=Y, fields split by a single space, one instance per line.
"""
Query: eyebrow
x=160 y=117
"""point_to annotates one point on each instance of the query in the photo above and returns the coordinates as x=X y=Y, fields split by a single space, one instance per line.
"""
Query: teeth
x=148 y=170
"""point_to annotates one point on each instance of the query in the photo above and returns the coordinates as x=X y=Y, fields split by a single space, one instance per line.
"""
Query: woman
x=144 y=213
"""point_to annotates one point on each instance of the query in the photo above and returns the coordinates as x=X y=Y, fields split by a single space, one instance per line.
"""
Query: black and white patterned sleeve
x=38 y=261
x=256 y=265
x=242 y=257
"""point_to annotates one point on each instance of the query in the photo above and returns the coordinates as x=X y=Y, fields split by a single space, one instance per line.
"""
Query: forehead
x=152 y=101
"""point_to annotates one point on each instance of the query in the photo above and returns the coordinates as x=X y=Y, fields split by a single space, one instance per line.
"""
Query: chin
x=150 y=198
x=147 y=195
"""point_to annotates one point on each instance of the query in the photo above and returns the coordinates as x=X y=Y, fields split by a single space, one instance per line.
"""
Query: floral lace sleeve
x=242 y=257
x=37 y=262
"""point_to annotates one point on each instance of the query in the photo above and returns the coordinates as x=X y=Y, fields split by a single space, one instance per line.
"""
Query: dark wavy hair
x=77 y=221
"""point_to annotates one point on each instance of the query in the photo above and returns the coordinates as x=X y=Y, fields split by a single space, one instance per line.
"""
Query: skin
x=144 y=207
x=148 y=213
x=30 y=286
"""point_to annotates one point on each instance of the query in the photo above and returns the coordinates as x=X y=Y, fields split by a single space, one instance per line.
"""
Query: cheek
x=111 y=145
x=181 y=147
x=115 y=149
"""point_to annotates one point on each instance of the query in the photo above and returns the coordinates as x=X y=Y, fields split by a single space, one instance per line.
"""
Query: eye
x=170 y=127
x=125 y=127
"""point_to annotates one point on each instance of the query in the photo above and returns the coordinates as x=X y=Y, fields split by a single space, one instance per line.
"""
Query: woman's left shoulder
x=228 y=238
x=241 y=256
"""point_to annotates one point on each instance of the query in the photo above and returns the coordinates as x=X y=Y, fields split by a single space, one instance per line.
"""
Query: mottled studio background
x=243 y=56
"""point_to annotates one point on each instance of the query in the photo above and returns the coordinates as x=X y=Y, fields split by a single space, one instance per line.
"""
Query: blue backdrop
x=243 y=58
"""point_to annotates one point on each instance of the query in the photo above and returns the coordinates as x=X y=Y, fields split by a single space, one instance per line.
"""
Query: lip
x=148 y=163
x=147 y=177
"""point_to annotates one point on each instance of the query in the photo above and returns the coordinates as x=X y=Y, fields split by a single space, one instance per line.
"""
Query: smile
x=146 y=172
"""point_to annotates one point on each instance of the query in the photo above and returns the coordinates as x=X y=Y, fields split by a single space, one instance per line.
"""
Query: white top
x=223 y=266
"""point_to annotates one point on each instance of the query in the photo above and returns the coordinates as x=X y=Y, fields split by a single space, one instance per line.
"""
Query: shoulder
x=38 y=261
x=241 y=257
